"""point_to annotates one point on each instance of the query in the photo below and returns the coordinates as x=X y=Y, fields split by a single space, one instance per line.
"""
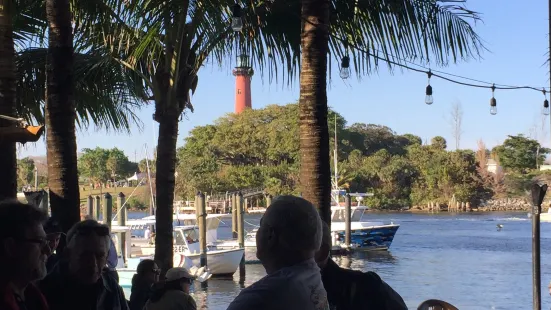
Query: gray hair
x=297 y=222
x=88 y=227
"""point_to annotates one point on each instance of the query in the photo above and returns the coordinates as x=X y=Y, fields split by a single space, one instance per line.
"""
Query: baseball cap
x=178 y=273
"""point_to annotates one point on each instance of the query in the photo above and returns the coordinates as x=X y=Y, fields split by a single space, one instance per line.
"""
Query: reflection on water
x=459 y=258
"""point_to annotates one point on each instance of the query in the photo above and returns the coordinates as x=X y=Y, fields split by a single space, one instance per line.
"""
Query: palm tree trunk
x=164 y=184
x=315 y=173
x=8 y=158
x=61 y=116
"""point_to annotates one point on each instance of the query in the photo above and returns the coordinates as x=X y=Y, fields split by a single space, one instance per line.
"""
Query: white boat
x=544 y=217
x=366 y=235
x=221 y=262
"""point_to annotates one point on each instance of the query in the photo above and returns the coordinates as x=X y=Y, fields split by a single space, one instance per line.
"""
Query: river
x=460 y=258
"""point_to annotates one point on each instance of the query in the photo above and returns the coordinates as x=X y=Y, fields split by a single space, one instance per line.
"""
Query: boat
x=221 y=262
x=366 y=235
x=544 y=217
x=256 y=211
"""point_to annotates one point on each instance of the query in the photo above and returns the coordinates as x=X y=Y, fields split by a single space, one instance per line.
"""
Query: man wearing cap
x=53 y=235
x=174 y=294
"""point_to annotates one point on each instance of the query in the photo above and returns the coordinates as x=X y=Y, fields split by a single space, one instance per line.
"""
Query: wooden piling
x=121 y=219
x=234 y=215
x=241 y=233
x=97 y=207
x=90 y=206
x=107 y=209
x=347 y=220
x=268 y=200
x=201 y=214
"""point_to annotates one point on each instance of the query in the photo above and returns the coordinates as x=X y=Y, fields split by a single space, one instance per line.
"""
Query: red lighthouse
x=243 y=73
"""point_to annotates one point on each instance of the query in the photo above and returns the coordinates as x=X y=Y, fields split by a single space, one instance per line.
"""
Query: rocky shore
x=502 y=204
x=506 y=204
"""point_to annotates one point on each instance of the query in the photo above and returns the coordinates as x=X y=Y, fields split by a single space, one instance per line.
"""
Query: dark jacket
x=52 y=261
x=64 y=294
x=356 y=290
x=140 y=293
x=33 y=299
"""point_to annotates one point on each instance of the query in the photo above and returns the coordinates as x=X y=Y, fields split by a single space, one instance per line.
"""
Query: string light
x=237 y=21
x=345 y=68
x=545 y=110
x=428 y=92
x=345 y=63
x=493 y=102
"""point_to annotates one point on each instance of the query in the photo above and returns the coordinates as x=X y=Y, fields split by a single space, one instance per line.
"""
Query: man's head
x=53 y=233
x=179 y=277
x=289 y=232
x=147 y=269
x=23 y=246
x=322 y=255
x=87 y=247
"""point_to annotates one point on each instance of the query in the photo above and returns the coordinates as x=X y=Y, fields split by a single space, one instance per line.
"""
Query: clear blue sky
x=517 y=39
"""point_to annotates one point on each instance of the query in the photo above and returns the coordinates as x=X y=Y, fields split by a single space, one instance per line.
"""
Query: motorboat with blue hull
x=366 y=235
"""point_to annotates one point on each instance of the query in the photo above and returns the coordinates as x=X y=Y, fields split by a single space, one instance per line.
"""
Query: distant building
x=493 y=167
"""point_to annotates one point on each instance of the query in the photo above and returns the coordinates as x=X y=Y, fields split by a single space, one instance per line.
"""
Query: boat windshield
x=339 y=215
x=191 y=236
x=178 y=238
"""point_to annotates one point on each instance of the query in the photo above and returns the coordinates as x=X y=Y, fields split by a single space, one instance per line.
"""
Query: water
x=462 y=259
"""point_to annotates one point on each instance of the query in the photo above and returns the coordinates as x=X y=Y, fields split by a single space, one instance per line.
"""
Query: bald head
x=289 y=233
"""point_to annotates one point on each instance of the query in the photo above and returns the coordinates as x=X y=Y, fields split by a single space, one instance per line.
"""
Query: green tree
x=142 y=166
x=520 y=154
x=117 y=163
x=413 y=139
x=92 y=164
x=25 y=171
x=439 y=142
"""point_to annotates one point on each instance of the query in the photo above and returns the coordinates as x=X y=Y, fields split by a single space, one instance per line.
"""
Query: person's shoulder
x=253 y=297
x=182 y=299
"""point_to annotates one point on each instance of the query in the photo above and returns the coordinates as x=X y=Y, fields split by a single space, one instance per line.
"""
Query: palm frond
x=137 y=33
x=106 y=94
x=29 y=22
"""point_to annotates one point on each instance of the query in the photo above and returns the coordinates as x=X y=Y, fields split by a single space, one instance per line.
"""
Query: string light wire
x=438 y=74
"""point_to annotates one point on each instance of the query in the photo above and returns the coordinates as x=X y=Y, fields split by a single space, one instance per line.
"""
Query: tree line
x=260 y=148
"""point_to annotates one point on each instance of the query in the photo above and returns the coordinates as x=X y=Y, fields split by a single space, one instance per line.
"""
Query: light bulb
x=345 y=67
x=237 y=24
x=236 y=21
x=545 y=107
x=493 y=106
x=344 y=73
x=428 y=98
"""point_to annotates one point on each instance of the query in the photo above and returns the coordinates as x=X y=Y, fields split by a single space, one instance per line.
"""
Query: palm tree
x=8 y=158
x=15 y=29
x=387 y=28
x=61 y=115
x=166 y=43
x=106 y=94
x=315 y=171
